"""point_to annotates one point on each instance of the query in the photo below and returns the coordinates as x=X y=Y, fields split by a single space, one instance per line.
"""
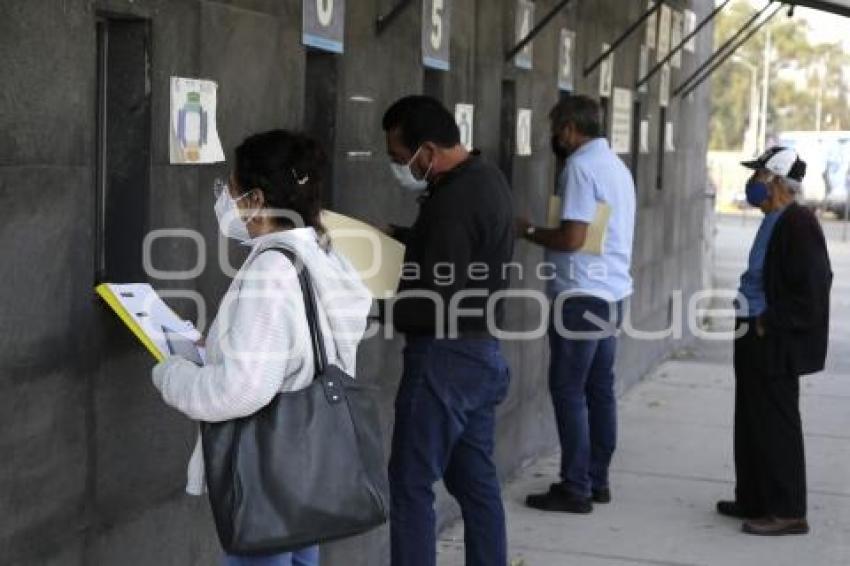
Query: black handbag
x=307 y=468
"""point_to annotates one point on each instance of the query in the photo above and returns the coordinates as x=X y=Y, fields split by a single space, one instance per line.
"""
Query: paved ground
x=675 y=461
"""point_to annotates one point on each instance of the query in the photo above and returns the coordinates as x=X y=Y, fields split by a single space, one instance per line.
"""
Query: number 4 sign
x=436 y=33
x=324 y=24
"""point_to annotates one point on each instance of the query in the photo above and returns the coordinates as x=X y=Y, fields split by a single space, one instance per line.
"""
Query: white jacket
x=259 y=342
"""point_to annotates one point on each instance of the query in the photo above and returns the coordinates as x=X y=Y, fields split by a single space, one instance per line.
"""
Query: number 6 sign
x=324 y=24
x=436 y=26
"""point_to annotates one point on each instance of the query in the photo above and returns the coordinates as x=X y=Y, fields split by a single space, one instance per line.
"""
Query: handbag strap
x=320 y=357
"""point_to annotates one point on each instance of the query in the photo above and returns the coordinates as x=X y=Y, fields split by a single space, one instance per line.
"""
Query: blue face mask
x=756 y=193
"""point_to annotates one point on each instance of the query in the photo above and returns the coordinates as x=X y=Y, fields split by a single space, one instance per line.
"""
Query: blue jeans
x=444 y=428
x=303 y=557
x=581 y=381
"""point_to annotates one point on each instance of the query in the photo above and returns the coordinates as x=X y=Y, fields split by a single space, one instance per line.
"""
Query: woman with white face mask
x=258 y=345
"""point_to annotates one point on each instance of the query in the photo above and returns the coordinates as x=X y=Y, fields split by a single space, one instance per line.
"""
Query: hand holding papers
x=156 y=326
x=595 y=242
x=377 y=257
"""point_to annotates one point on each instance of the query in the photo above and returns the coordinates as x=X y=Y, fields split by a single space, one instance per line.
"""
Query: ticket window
x=122 y=188
x=320 y=109
x=635 y=148
x=662 y=144
x=434 y=84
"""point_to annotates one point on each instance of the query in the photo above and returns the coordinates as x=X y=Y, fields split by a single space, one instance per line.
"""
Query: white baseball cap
x=782 y=161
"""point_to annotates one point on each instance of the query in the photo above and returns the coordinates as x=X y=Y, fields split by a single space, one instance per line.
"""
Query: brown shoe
x=772 y=526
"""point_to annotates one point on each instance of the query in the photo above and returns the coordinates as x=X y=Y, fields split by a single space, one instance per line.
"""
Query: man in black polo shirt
x=454 y=373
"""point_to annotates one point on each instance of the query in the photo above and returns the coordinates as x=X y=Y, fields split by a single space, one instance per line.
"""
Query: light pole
x=751 y=137
x=765 y=90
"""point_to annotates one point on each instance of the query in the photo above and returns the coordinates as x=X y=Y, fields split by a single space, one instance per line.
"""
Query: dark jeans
x=581 y=381
x=304 y=557
x=445 y=418
x=770 y=465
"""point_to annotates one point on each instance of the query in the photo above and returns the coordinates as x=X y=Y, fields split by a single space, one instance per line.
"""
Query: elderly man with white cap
x=782 y=328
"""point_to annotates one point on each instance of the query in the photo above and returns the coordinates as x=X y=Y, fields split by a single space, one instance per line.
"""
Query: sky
x=828 y=27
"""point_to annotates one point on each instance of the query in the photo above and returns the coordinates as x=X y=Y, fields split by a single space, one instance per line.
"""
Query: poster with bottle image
x=524 y=25
x=523 y=132
x=193 y=134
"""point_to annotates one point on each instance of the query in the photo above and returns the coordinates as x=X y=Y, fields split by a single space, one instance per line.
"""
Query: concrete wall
x=93 y=462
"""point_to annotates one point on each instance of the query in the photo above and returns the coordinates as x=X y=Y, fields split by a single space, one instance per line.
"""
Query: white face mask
x=230 y=222
x=405 y=177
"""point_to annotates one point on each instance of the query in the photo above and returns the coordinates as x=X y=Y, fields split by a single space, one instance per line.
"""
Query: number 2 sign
x=324 y=24
x=436 y=33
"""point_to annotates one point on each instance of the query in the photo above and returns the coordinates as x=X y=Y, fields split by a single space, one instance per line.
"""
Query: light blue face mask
x=405 y=177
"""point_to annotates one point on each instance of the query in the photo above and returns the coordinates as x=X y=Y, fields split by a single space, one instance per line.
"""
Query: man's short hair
x=581 y=111
x=422 y=119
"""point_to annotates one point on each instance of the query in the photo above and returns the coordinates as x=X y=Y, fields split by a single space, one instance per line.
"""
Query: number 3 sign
x=436 y=26
x=324 y=24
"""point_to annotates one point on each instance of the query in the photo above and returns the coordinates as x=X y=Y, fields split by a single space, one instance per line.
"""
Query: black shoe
x=559 y=499
x=602 y=495
x=773 y=527
x=732 y=509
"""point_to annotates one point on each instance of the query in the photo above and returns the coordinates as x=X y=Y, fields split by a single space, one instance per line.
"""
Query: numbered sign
x=524 y=25
x=324 y=24
x=643 y=67
x=621 y=127
x=436 y=27
x=606 y=73
x=664 y=20
x=677 y=22
x=664 y=86
x=690 y=26
x=465 y=118
x=565 y=62
x=651 y=25
x=523 y=132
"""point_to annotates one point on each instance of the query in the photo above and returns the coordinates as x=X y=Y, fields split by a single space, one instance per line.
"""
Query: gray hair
x=793 y=186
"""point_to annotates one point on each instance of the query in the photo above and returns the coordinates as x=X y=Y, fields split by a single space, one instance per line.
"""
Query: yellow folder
x=596 y=232
x=148 y=317
x=376 y=257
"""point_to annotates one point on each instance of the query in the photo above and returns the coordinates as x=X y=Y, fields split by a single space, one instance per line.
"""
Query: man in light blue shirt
x=587 y=291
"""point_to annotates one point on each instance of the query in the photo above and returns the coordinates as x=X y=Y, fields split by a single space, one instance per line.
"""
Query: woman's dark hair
x=288 y=167
x=422 y=119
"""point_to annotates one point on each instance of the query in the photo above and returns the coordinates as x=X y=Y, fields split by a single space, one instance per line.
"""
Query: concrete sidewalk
x=674 y=462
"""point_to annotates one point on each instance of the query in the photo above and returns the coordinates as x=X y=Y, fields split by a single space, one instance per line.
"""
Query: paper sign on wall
x=324 y=24
x=676 y=37
x=523 y=132
x=664 y=21
x=606 y=73
x=436 y=33
x=621 y=127
x=524 y=25
x=565 y=62
x=643 y=67
x=668 y=138
x=651 y=25
x=690 y=26
x=193 y=133
x=644 y=136
x=465 y=118
x=664 y=86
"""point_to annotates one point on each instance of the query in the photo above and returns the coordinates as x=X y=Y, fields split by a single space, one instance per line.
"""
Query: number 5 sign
x=324 y=24
x=436 y=32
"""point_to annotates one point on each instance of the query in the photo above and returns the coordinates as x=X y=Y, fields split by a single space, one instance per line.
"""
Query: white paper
x=193 y=133
x=651 y=25
x=643 y=67
x=621 y=126
x=606 y=73
x=668 y=138
x=664 y=86
x=676 y=37
x=465 y=118
x=148 y=310
x=523 y=132
x=663 y=33
x=644 y=136
x=690 y=26
x=565 y=62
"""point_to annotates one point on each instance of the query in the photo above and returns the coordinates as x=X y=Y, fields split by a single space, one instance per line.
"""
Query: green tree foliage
x=798 y=62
